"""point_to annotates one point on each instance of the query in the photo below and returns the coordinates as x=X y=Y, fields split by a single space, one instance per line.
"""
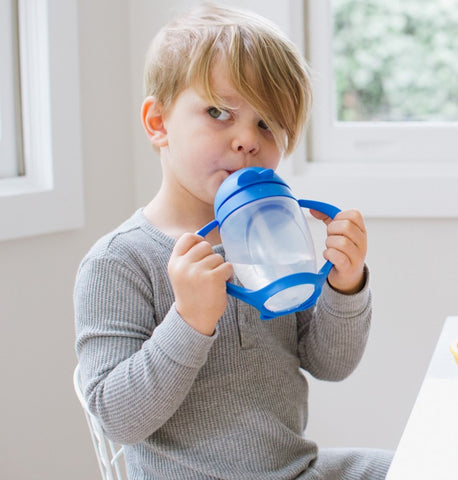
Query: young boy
x=190 y=380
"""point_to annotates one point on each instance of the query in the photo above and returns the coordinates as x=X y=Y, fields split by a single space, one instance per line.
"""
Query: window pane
x=10 y=137
x=396 y=60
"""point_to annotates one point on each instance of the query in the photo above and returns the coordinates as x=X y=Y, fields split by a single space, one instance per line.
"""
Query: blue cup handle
x=329 y=210
x=208 y=228
x=326 y=208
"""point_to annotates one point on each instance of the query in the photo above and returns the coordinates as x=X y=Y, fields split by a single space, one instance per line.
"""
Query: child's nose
x=246 y=140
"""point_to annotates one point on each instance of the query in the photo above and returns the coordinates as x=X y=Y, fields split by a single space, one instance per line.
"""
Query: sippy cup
x=266 y=238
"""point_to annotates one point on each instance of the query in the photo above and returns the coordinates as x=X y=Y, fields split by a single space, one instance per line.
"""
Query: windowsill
x=28 y=209
x=405 y=190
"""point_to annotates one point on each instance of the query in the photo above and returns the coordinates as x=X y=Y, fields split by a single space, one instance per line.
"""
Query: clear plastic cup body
x=268 y=239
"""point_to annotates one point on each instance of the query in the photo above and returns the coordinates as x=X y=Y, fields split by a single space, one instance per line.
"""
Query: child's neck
x=171 y=218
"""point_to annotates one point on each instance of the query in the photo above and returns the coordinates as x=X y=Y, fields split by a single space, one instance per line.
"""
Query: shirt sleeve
x=135 y=373
x=332 y=336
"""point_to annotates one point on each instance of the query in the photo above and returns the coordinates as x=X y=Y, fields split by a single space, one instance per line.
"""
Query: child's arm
x=346 y=247
x=137 y=372
x=198 y=277
x=332 y=337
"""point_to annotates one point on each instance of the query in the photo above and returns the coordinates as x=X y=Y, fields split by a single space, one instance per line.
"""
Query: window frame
x=378 y=185
x=378 y=142
x=49 y=197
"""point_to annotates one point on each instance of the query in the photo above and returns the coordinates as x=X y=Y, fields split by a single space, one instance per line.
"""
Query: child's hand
x=198 y=277
x=346 y=248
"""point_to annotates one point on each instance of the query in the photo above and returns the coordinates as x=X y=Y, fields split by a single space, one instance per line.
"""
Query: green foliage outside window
x=396 y=60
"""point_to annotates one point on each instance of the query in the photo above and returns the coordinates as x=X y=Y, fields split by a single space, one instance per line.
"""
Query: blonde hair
x=265 y=67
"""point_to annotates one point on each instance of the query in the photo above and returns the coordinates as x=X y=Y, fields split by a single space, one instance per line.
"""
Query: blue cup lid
x=247 y=185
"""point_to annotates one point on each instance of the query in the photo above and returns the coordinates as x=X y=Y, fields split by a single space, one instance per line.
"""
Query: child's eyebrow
x=224 y=104
x=229 y=97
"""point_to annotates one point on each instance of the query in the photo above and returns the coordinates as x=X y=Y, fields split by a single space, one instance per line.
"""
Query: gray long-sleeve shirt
x=189 y=406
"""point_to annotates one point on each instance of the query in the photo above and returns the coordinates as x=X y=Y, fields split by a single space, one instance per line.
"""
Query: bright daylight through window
x=396 y=60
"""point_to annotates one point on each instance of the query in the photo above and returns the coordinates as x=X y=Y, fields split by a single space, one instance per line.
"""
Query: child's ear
x=153 y=123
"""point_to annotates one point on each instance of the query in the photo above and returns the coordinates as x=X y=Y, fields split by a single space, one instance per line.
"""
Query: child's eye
x=219 y=114
x=262 y=124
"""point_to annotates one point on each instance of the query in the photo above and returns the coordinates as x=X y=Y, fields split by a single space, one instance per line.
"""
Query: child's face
x=205 y=145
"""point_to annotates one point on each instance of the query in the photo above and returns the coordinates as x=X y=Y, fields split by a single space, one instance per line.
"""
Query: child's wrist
x=353 y=287
x=200 y=325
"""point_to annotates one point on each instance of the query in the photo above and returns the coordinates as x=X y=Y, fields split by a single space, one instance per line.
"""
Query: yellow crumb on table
x=454 y=350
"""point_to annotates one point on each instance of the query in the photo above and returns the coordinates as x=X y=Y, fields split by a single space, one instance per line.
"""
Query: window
x=48 y=196
x=386 y=81
x=10 y=125
x=395 y=61
x=386 y=162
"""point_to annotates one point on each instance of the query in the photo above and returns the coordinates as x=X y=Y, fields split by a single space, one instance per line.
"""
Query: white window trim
x=406 y=189
x=49 y=197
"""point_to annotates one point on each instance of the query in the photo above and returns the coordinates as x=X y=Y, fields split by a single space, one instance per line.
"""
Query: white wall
x=414 y=278
x=44 y=435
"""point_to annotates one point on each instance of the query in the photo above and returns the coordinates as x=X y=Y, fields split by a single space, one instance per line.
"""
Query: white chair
x=108 y=453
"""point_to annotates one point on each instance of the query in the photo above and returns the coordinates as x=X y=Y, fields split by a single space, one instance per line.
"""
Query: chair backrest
x=109 y=454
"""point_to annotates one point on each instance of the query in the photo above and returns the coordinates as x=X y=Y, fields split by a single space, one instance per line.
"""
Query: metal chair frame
x=109 y=453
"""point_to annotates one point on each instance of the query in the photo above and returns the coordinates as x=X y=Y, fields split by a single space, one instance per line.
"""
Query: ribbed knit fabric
x=188 y=406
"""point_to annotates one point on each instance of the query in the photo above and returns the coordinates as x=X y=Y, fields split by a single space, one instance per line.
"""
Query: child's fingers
x=202 y=254
x=211 y=261
x=346 y=245
x=338 y=258
x=185 y=243
x=342 y=252
x=348 y=230
x=320 y=216
x=226 y=270
x=200 y=251
x=353 y=217
x=193 y=249
x=348 y=224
